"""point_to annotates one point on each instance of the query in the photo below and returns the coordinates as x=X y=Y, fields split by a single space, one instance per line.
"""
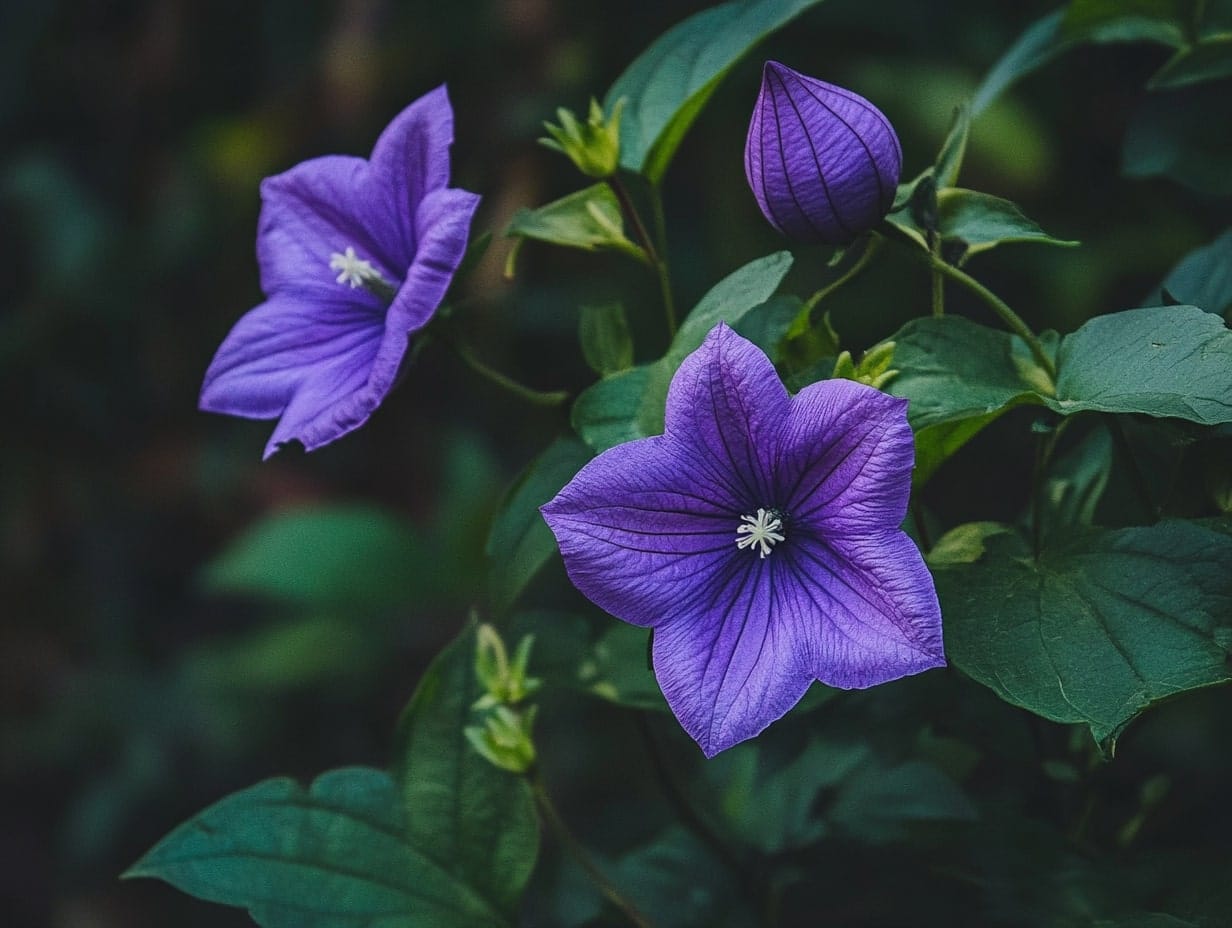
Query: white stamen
x=352 y=269
x=761 y=530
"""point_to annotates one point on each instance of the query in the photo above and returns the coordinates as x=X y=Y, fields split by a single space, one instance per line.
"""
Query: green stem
x=508 y=384
x=934 y=247
x=1011 y=319
x=861 y=263
x=921 y=528
x=626 y=204
x=665 y=280
x=551 y=818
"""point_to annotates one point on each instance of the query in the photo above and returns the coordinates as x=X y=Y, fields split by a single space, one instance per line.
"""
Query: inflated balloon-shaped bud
x=823 y=162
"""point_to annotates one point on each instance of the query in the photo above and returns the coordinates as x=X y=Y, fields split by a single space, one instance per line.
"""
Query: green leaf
x=629 y=405
x=667 y=85
x=1180 y=134
x=607 y=345
x=1173 y=361
x=1202 y=278
x=981 y=221
x=959 y=377
x=589 y=219
x=1162 y=21
x=1208 y=60
x=1075 y=484
x=520 y=542
x=332 y=856
x=348 y=556
x=1098 y=628
x=950 y=158
x=476 y=822
x=1039 y=43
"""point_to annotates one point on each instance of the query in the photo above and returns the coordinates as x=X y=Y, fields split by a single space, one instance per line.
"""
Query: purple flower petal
x=868 y=605
x=847 y=453
x=355 y=257
x=727 y=403
x=275 y=347
x=636 y=523
x=759 y=537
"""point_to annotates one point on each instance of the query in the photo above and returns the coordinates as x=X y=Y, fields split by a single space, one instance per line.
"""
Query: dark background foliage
x=137 y=686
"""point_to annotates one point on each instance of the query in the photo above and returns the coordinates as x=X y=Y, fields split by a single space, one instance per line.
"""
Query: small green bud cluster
x=594 y=146
x=873 y=369
x=504 y=738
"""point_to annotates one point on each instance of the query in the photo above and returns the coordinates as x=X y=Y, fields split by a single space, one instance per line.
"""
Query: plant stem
x=934 y=247
x=551 y=818
x=665 y=280
x=862 y=262
x=654 y=252
x=1011 y=319
x=508 y=384
x=921 y=529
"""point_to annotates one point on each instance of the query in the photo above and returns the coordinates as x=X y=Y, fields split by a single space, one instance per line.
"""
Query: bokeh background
x=147 y=667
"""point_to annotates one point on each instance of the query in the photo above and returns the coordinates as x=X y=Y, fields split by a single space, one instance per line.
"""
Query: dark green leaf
x=475 y=821
x=667 y=85
x=1040 y=43
x=606 y=343
x=351 y=556
x=589 y=219
x=1210 y=59
x=950 y=158
x=332 y=856
x=1181 y=135
x=520 y=542
x=766 y=325
x=1203 y=277
x=1097 y=629
x=1163 y=21
x=1076 y=483
x=981 y=221
x=1163 y=361
x=959 y=376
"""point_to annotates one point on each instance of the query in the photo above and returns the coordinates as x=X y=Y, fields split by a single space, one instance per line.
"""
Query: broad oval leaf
x=1164 y=361
x=667 y=85
x=474 y=821
x=1097 y=629
x=335 y=855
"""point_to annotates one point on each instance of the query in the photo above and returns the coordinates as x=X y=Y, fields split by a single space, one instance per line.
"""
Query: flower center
x=760 y=532
x=360 y=272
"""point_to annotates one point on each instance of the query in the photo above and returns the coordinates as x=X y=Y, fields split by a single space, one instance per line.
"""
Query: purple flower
x=759 y=537
x=355 y=258
x=823 y=162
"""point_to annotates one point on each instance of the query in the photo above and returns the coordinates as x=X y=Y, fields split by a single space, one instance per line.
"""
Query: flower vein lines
x=660 y=532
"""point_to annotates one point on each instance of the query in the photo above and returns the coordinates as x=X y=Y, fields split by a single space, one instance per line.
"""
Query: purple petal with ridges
x=641 y=529
x=734 y=662
x=868 y=605
x=846 y=453
x=318 y=209
x=411 y=159
x=275 y=348
x=823 y=163
x=726 y=402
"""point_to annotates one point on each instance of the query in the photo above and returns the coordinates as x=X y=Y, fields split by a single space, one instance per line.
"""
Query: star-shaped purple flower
x=759 y=537
x=355 y=256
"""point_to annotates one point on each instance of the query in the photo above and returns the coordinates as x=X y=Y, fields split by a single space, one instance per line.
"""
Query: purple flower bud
x=823 y=162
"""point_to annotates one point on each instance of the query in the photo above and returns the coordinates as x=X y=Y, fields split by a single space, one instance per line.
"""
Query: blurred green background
x=155 y=650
